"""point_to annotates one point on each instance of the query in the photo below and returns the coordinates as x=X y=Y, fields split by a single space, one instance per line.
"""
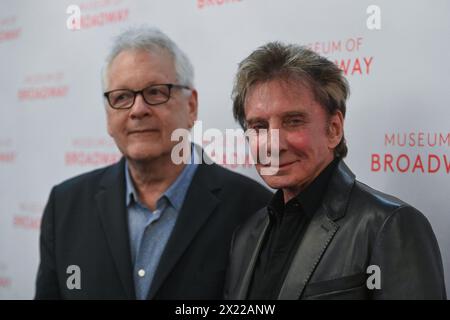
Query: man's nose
x=282 y=141
x=140 y=108
x=276 y=138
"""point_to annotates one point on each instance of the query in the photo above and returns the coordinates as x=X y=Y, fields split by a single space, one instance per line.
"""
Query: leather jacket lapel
x=318 y=236
x=319 y=233
x=253 y=247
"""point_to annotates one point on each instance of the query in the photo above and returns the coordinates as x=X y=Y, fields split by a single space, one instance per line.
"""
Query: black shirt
x=286 y=228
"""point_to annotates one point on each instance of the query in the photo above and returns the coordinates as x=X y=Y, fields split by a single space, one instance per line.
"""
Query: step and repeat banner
x=52 y=120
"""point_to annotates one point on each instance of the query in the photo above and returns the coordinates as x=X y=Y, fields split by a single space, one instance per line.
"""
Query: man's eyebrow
x=301 y=114
x=254 y=120
x=127 y=87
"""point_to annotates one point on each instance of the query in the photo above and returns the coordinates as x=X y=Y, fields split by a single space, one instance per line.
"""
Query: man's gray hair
x=294 y=64
x=153 y=40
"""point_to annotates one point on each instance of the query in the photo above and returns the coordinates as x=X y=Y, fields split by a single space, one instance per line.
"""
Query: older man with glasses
x=146 y=227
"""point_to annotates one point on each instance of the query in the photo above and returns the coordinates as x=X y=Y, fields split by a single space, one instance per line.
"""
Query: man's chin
x=143 y=156
x=275 y=182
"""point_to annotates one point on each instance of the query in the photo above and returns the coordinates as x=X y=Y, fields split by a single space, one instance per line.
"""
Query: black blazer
x=85 y=224
x=355 y=227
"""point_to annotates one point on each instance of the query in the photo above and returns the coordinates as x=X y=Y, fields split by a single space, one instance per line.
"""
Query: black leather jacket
x=355 y=227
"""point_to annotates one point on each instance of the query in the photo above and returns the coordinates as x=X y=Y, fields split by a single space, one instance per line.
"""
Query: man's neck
x=152 y=178
x=289 y=193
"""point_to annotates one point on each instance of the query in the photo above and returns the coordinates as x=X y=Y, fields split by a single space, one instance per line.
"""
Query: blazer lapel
x=111 y=208
x=199 y=203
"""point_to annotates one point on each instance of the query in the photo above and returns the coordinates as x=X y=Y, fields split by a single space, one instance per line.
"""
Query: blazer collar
x=199 y=203
x=110 y=199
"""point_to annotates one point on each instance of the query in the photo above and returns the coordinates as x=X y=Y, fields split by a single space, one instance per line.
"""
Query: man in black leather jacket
x=324 y=235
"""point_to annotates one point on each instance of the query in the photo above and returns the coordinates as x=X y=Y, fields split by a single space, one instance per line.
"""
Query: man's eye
x=157 y=92
x=154 y=92
x=121 y=97
x=257 y=127
x=294 y=122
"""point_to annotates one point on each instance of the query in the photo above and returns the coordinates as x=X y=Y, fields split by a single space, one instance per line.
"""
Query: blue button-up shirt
x=150 y=230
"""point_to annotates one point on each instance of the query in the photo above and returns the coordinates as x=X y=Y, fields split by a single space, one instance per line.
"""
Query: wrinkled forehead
x=289 y=84
x=278 y=94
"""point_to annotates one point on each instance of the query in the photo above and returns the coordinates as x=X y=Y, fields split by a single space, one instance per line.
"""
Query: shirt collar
x=177 y=190
x=130 y=193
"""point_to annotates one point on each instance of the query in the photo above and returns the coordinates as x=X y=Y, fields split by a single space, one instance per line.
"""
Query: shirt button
x=141 y=273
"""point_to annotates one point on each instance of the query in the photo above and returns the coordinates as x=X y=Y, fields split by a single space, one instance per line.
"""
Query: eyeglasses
x=153 y=95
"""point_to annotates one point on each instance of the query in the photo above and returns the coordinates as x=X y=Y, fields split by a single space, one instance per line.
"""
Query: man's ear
x=193 y=107
x=335 y=129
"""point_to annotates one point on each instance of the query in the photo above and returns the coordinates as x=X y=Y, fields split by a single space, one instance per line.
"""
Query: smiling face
x=307 y=135
x=142 y=133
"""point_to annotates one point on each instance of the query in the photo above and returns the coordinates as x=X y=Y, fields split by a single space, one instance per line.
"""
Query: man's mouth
x=141 y=131
x=286 y=164
x=281 y=165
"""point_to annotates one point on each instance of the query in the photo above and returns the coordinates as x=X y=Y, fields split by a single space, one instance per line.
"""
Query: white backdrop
x=52 y=122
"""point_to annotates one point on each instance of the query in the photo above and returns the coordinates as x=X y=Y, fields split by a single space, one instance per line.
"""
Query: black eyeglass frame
x=141 y=92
